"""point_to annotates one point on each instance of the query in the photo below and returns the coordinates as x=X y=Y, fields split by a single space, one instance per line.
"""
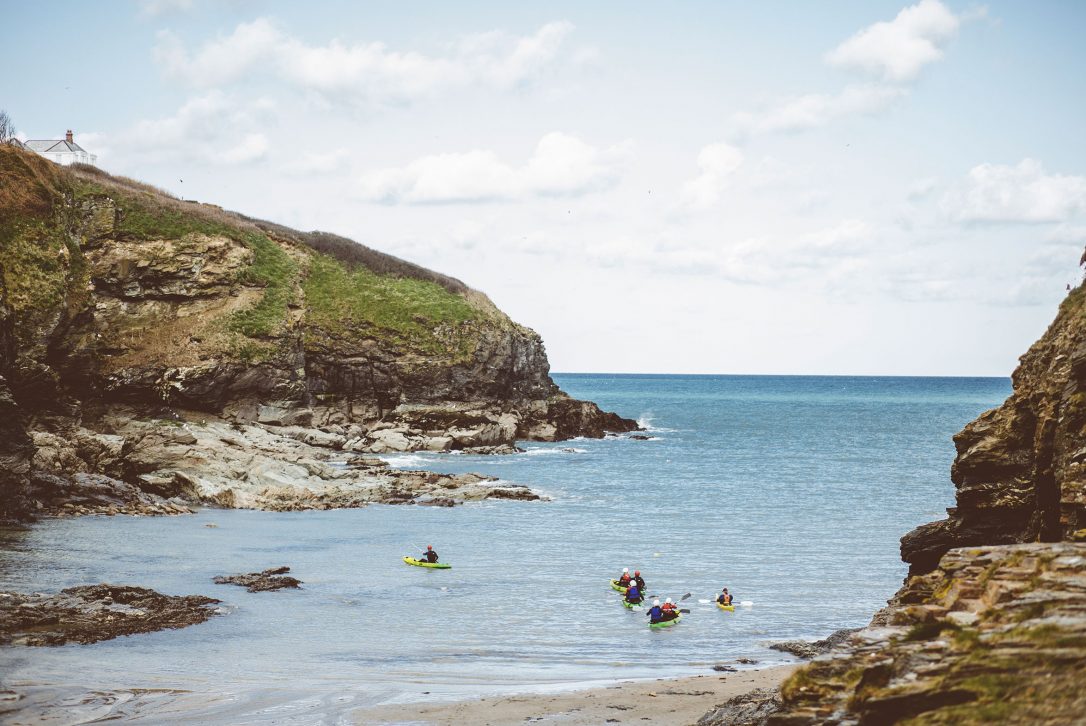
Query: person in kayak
x=669 y=610
x=656 y=613
x=429 y=555
x=725 y=597
x=637 y=578
x=633 y=594
x=624 y=579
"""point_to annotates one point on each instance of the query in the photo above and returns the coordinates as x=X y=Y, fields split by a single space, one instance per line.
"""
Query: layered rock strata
x=116 y=298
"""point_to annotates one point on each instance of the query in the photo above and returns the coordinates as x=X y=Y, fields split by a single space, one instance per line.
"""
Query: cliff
x=134 y=324
x=990 y=625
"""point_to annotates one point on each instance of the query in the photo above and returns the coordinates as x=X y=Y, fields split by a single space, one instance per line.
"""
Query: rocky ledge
x=173 y=462
x=993 y=635
x=91 y=613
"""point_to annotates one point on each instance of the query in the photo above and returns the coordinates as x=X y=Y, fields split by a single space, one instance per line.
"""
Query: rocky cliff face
x=990 y=626
x=1020 y=472
x=117 y=300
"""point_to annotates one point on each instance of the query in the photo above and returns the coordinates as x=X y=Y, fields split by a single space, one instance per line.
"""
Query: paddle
x=684 y=597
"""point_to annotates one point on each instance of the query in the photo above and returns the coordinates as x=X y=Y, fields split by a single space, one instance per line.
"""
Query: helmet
x=625 y=569
x=637 y=572
x=429 y=547
x=668 y=600
x=655 y=602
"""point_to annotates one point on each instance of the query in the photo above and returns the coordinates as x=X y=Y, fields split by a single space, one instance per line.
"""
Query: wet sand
x=663 y=701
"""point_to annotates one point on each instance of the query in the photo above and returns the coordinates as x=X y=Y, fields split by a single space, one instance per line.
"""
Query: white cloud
x=155 y=8
x=562 y=165
x=817 y=109
x=1019 y=193
x=716 y=162
x=897 y=50
x=362 y=72
x=319 y=162
x=214 y=128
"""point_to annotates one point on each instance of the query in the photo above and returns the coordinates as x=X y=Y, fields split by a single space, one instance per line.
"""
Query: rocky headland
x=157 y=353
x=990 y=625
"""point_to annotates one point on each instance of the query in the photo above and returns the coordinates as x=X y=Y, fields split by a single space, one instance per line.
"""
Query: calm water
x=792 y=491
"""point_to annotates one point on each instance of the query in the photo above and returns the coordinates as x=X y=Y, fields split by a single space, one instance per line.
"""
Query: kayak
x=666 y=623
x=431 y=565
x=630 y=605
x=729 y=608
x=616 y=586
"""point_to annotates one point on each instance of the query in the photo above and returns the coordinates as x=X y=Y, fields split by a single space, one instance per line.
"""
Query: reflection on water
x=790 y=491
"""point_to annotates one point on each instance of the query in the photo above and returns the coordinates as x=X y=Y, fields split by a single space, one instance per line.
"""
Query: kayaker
x=633 y=594
x=637 y=578
x=429 y=555
x=725 y=597
x=670 y=613
x=656 y=613
x=624 y=579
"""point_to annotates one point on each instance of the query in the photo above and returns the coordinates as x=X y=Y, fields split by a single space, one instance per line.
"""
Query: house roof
x=53 y=145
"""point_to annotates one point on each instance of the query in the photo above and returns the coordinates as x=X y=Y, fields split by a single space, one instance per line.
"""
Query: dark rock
x=725 y=668
x=90 y=613
x=272 y=579
x=640 y=437
x=746 y=709
x=808 y=650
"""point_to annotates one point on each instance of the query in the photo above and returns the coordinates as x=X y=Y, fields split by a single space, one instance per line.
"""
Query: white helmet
x=655 y=602
x=668 y=600
x=625 y=569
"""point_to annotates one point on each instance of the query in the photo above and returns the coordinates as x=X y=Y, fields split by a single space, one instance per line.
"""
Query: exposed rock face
x=805 y=649
x=273 y=579
x=990 y=626
x=91 y=613
x=1020 y=472
x=994 y=635
x=745 y=709
x=113 y=294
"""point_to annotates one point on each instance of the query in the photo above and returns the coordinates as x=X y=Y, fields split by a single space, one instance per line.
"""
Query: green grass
x=276 y=272
x=351 y=302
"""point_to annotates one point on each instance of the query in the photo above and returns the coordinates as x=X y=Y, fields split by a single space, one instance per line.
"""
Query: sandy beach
x=663 y=701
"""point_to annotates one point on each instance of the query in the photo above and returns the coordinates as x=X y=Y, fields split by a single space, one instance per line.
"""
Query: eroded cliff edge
x=153 y=349
x=990 y=625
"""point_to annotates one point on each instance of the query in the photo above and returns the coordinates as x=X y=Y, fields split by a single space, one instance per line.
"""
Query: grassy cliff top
x=347 y=291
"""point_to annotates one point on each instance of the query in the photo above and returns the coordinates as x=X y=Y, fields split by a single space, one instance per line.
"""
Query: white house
x=64 y=151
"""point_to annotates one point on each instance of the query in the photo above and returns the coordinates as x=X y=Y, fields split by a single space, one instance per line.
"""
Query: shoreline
x=660 y=701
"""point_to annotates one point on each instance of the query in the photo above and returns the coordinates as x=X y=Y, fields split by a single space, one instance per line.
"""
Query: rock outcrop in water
x=91 y=613
x=990 y=626
x=118 y=301
x=275 y=578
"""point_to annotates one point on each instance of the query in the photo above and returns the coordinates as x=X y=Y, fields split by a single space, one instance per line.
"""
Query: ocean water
x=790 y=491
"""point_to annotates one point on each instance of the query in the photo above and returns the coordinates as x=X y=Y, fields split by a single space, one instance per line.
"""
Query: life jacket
x=668 y=606
x=624 y=580
x=633 y=594
x=655 y=613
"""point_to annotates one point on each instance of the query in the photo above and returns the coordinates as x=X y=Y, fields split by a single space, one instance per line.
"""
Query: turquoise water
x=791 y=491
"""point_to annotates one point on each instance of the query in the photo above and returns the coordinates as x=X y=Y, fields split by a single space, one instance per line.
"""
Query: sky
x=855 y=188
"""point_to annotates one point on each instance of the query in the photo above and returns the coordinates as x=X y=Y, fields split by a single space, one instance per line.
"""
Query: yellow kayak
x=729 y=608
x=616 y=586
x=431 y=565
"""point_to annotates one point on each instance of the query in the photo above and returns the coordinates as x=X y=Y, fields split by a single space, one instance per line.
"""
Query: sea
x=792 y=491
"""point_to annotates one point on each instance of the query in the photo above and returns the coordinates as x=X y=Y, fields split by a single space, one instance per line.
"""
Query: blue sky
x=846 y=187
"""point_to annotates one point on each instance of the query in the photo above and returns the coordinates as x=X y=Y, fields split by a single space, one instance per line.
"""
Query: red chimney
x=68 y=136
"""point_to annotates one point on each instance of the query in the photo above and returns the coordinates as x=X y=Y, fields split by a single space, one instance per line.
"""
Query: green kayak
x=616 y=586
x=666 y=623
x=431 y=565
x=630 y=605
